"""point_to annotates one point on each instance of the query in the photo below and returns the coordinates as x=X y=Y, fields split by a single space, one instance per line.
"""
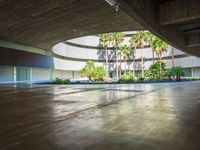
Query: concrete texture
x=175 y=21
x=100 y=117
x=42 y=24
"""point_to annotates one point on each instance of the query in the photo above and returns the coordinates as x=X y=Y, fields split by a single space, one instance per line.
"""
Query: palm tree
x=159 y=46
x=117 y=38
x=105 y=40
x=133 y=44
x=138 y=41
x=149 y=38
x=125 y=52
x=172 y=57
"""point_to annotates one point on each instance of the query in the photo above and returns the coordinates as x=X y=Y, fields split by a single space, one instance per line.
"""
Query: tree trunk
x=142 y=65
x=125 y=64
x=117 y=69
x=172 y=57
x=170 y=79
x=134 y=62
x=160 y=65
x=90 y=78
x=153 y=57
x=120 y=68
x=106 y=62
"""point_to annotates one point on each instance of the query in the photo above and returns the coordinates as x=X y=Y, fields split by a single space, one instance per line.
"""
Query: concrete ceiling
x=176 y=21
x=43 y=23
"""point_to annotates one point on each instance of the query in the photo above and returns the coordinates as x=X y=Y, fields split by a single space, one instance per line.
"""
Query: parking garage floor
x=100 y=117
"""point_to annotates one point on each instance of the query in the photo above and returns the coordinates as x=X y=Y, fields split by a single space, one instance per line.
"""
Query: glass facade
x=22 y=74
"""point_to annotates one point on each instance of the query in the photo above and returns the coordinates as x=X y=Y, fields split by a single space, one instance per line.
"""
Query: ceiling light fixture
x=113 y=3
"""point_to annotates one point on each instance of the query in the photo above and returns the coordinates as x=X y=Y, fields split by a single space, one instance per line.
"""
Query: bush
x=178 y=71
x=154 y=70
x=61 y=81
x=127 y=78
x=96 y=73
x=99 y=73
x=88 y=70
x=168 y=73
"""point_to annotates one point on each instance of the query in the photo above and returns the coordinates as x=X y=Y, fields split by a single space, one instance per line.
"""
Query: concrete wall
x=62 y=74
x=13 y=57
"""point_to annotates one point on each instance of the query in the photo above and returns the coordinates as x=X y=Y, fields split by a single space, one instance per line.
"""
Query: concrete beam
x=146 y=13
x=192 y=40
x=178 y=11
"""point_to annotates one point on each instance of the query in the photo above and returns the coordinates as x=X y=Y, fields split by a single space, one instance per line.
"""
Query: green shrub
x=99 y=73
x=87 y=71
x=168 y=73
x=96 y=73
x=178 y=71
x=127 y=77
x=154 y=71
x=61 y=81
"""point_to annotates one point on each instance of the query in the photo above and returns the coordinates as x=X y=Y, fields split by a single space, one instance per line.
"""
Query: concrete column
x=31 y=74
x=50 y=74
x=15 y=74
x=192 y=73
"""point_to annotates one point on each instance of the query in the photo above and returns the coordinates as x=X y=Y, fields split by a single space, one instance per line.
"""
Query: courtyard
x=98 y=117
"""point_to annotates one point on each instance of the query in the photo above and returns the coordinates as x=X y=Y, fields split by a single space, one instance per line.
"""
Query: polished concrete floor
x=100 y=117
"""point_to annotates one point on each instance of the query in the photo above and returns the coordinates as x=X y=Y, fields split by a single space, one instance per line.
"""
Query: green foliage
x=149 y=38
x=117 y=38
x=159 y=46
x=125 y=51
x=104 y=39
x=178 y=71
x=154 y=70
x=138 y=39
x=88 y=70
x=61 y=81
x=93 y=72
x=127 y=77
x=99 y=73
x=168 y=73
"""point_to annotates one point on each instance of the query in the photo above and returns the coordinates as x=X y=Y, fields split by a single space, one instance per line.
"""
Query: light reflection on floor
x=126 y=116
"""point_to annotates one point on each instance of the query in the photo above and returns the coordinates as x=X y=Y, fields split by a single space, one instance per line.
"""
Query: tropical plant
x=178 y=71
x=133 y=46
x=138 y=41
x=172 y=53
x=159 y=46
x=149 y=38
x=125 y=53
x=154 y=70
x=61 y=81
x=105 y=40
x=117 y=38
x=99 y=73
x=88 y=70
x=168 y=73
x=127 y=77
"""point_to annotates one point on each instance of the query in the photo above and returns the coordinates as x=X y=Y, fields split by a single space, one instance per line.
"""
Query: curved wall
x=88 y=47
x=68 y=58
x=75 y=52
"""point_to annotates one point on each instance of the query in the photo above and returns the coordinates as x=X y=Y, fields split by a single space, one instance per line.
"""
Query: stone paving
x=100 y=117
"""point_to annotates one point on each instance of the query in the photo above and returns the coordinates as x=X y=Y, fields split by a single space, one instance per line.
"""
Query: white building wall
x=62 y=74
x=40 y=74
x=196 y=72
